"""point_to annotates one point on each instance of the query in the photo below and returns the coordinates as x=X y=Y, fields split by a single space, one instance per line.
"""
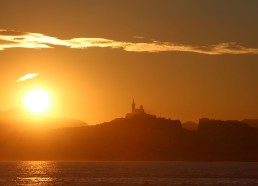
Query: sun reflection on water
x=35 y=172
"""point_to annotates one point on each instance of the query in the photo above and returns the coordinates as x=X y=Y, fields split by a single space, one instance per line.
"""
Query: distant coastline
x=141 y=137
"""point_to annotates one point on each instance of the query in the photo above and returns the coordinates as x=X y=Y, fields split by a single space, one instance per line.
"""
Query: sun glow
x=37 y=101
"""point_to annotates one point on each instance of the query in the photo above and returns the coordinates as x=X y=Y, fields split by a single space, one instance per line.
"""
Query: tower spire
x=133 y=106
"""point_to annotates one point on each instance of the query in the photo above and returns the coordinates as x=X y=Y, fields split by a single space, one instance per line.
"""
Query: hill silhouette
x=138 y=138
x=19 y=119
x=190 y=125
x=251 y=122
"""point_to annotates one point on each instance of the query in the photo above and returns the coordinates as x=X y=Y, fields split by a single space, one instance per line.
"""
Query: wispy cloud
x=27 y=76
x=15 y=39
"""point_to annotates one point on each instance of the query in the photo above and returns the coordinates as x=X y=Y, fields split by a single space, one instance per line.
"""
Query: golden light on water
x=36 y=172
x=37 y=101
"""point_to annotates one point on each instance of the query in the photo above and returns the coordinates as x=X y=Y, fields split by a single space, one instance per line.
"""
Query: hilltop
x=138 y=138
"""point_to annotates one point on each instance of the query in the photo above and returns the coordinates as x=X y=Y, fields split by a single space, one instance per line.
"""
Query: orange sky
x=180 y=59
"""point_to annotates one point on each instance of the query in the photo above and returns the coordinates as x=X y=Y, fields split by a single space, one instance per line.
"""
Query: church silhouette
x=135 y=111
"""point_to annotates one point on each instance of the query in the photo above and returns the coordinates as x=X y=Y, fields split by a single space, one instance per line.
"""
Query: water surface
x=128 y=173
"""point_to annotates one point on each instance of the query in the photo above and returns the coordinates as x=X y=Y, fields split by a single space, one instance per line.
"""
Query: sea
x=128 y=173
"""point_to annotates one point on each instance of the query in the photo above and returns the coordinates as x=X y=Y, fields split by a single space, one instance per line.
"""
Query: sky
x=180 y=59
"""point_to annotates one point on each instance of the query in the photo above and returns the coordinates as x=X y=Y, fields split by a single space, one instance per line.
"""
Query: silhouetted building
x=135 y=111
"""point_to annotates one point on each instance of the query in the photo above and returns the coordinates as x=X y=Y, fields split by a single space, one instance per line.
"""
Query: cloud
x=27 y=76
x=16 y=39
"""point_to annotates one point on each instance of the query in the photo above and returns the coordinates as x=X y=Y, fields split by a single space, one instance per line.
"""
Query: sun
x=37 y=101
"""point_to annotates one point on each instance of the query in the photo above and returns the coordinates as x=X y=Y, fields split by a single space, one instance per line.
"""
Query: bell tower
x=133 y=107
